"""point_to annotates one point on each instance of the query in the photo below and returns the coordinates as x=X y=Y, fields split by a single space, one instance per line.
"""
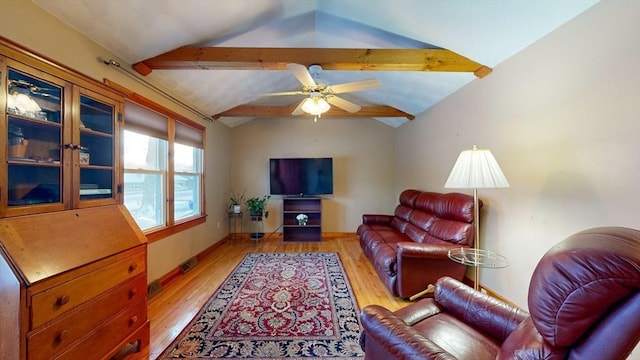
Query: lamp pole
x=476 y=243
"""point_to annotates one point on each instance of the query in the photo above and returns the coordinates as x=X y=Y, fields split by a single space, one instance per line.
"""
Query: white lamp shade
x=476 y=169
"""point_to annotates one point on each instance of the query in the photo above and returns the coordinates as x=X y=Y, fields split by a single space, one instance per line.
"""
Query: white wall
x=363 y=154
x=563 y=120
x=33 y=28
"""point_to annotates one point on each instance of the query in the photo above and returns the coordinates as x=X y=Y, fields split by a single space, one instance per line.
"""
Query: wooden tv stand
x=310 y=206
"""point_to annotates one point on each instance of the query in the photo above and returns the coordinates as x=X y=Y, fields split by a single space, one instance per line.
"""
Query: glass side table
x=235 y=226
x=478 y=258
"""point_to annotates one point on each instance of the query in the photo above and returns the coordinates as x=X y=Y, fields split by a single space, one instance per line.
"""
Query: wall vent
x=153 y=288
x=188 y=265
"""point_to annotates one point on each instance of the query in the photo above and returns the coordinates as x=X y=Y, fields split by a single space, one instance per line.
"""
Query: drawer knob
x=133 y=267
x=133 y=320
x=62 y=300
x=132 y=293
x=64 y=334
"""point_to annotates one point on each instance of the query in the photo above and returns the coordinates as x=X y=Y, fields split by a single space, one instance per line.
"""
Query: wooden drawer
x=49 y=304
x=106 y=337
x=52 y=339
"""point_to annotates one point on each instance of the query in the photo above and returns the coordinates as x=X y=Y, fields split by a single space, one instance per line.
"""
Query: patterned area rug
x=276 y=306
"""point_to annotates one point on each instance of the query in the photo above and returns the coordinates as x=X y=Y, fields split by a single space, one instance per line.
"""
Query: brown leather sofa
x=584 y=299
x=409 y=249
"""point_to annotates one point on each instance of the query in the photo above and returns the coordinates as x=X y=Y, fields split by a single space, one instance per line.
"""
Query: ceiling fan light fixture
x=315 y=105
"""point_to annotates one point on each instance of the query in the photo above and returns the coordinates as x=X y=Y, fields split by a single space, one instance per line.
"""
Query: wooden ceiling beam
x=246 y=58
x=284 y=111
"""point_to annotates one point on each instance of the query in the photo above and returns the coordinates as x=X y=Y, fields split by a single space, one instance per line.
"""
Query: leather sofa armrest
x=396 y=337
x=488 y=314
x=419 y=265
x=418 y=250
x=377 y=219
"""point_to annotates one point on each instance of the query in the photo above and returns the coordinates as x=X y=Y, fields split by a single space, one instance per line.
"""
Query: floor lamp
x=477 y=169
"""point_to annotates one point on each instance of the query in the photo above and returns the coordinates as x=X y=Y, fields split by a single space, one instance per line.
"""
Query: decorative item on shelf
x=476 y=169
x=258 y=207
x=84 y=156
x=21 y=103
x=236 y=200
x=302 y=219
x=17 y=143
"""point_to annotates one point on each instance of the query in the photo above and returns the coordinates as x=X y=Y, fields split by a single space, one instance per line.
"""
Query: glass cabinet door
x=34 y=123
x=97 y=150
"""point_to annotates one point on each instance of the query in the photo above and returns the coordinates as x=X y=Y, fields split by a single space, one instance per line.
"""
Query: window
x=145 y=174
x=186 y=180
x=163 y=169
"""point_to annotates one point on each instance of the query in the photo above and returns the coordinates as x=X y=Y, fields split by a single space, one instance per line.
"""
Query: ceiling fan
x=320 y=94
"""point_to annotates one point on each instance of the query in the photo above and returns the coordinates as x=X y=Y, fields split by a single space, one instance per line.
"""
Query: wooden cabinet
x=73 y=262
x=292 y=230
x=73 y=284
x=59 y=137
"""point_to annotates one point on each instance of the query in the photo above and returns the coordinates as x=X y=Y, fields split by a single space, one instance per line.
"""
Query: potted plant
x=236 y=200
x=258 y=206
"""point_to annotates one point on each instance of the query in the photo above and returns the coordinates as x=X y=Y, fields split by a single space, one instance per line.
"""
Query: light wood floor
x=179 y=301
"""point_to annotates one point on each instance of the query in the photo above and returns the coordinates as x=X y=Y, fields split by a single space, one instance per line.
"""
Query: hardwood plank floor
x=179 y=301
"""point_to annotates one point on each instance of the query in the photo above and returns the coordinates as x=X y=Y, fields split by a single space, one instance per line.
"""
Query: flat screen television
x=301 y=176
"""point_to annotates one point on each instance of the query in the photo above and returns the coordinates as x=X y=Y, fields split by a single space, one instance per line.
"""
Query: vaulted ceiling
x=222 y=56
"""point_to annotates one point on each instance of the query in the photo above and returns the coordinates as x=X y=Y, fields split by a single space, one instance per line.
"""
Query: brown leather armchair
x=584 y=299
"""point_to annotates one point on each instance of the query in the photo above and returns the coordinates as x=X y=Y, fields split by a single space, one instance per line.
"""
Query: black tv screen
x=301 y=176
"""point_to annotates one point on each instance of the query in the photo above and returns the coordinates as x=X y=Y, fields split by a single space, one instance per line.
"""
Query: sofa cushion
x=446 y=331
x=408 y=197
x=453 y=232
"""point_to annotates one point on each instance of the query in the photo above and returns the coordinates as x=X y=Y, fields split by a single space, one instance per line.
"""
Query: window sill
x=159 y=234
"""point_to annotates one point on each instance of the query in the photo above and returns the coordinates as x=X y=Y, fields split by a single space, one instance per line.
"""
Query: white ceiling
x=487 y=31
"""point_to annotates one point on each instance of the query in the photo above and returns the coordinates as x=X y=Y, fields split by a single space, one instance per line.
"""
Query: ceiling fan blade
x=298 y=110
x=303 y=75
x=343 y=104
x=286 y=93
x=355 y=86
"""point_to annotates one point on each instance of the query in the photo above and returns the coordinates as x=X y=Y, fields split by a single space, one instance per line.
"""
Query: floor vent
x=188 y=265
x=153 y=288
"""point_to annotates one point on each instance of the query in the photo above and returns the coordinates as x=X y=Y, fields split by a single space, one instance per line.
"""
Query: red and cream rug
x=276 y=306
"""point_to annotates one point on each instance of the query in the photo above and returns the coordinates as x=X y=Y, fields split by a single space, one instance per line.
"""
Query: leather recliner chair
x=584 y=303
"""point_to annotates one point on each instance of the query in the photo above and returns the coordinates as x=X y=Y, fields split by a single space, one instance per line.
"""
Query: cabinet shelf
x=310 y=206
x=88 y=131
x=96 y=167
x=26 y=120
x=33 y=162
